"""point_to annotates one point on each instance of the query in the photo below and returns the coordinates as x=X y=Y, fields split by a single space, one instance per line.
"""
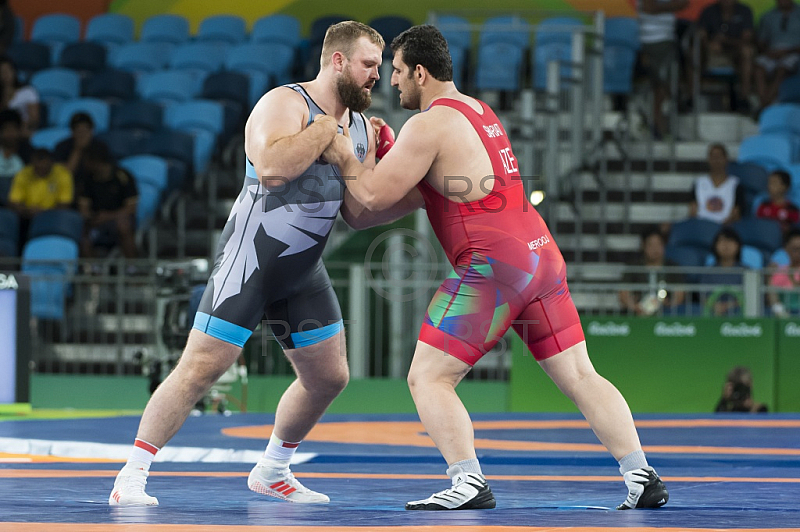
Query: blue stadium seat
x=204 y=120
x=766 y=235
x=204 y=56
x=168 y=86
x=29 y=57
x=620 y=47
x=273 y=59
x=794 y=172
x=499 y=66
x=390 y=26
x=110 y=85
x=321 y=25
x=165 y=28
x=751 y=258
x=8 y=249
x=141 y=57
x=780 y=118
x=9 y=227
x=56 y=28
x=229 y=87
x=284 y=29
x=687 y=256
x=173 y=146
x=83 y=57
x=49 y=137
x=147 y=206
x=110 y=29
x=138 y=114
x=506 y=29
x=223 y=28
x=459 y=58
x=553 y=41
x=49 y=261
x=57 y=222
x=751 y=175
x=456 y=31
x=56 y=85
x=147 y=170
x=790 y=90
x=771 y=150
x=124 y=142
x=694 y=232
x=97 y=109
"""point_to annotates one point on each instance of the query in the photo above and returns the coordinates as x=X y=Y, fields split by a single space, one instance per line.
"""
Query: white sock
x=280 y=452
x=143 y=454
x=634 y=460
x=467 y=466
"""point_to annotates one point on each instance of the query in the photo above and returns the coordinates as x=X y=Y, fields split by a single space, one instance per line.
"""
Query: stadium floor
x=547 y=473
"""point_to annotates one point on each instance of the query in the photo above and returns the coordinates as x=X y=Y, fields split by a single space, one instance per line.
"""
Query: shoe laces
x=133 y=482
x=288 y=477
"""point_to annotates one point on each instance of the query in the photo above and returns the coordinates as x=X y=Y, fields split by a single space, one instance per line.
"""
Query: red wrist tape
x=385 y=141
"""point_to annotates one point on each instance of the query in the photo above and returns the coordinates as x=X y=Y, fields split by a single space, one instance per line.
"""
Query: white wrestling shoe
x=129 y=488
x=469 y=492
x=281 y=484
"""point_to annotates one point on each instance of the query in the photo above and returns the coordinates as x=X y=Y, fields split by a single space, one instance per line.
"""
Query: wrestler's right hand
x=340 y=148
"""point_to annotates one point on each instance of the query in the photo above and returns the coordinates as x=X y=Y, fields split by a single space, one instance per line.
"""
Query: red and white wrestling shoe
x=281 y=484
x=129 y=488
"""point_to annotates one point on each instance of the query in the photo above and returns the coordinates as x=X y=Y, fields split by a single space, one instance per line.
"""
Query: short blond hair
x=343 y=36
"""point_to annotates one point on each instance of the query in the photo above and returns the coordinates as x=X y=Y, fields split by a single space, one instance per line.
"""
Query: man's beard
x=352 y=94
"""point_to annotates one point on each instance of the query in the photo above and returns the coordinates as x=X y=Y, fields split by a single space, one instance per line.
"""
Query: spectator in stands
x=8 y=26
x=737 y=393
x=107 y=199
x=40 y=186
x=787 y=302
x=727 y=299
x=22 y=98
x=10 y=161
x=70 y=151
x=779 y=207
x=779 y=44
x=658 y=295
x=659 y=52
x=717 y=196
x=725 y=29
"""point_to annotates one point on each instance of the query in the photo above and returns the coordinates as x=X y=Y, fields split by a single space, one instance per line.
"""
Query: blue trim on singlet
x=307 y=338
x=221 y=329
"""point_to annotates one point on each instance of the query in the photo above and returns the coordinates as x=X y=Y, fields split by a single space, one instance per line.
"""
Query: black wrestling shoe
x=469 y=492
x=645 y=490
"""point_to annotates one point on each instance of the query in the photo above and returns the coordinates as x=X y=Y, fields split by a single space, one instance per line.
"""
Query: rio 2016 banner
x=675 y=365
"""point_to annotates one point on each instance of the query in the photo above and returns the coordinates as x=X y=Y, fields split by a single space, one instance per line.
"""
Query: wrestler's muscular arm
x=277 y=141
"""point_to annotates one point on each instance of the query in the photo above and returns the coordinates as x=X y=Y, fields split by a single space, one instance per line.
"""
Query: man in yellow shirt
x=41 y=186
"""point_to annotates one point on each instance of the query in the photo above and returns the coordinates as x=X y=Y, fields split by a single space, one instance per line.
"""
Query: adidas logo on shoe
x=468 y=492
x=645 y=490
x=281 y=484
x=129 y=488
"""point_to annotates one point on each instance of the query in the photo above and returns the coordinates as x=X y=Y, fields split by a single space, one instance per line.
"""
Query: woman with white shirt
x=22 y=98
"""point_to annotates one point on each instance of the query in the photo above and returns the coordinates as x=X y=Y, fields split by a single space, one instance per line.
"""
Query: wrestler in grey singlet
x=269 y=261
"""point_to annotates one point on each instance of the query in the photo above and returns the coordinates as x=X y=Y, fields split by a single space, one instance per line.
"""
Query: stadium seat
x=283 y=29
x=173 y=29
x=49 y=261
x=9 y=227
x=8 y=249
x=138 y=114
x=620 y=48
x=49 y=137
x=168 y=86
x=83 y=57
x=147 y=169
x=222 y=28
x=205 y=56
x=141 y=57
x=124 y=142
x=173 y=146
x=694 y=232
x=273 y=59
x=790 y=90
x=320 y=26
x=751 y=258
x=204 y=120
x=227 y=86
x=456 y=31
x=57 y=222
x=780 y=118
x=499 y=66
x=389 y=27
x=771 y=150
x=553 y=42
x=751 y=175
x=110 y=29
x=97 y=109
x=687 y=256
x=56 y=28
x=29 y=57
x=506 y=29
x=458 y=56
x=110 y=85
x=56 y=85
x=765 y=235
x=147 y=206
